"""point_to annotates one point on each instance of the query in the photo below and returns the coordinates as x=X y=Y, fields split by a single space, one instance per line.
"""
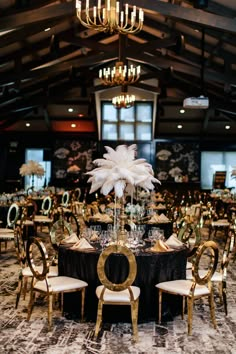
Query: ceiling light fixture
x=109 y=18
x=179 y=126
x=124 y=100
x=120 y=74
x=227 y=127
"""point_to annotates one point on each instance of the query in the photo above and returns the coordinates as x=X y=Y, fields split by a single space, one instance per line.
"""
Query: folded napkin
x=174 y=242
x=161 y=206
x=96 y=216
x=155 y=219
x=160 y=246
x=72 y=238
x=94 y=237
x=105 y=218
x=82 y=244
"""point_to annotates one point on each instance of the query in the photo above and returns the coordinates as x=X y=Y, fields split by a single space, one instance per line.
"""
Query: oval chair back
x=13 y=215
x=46 y=205
x=117 y=294
x=59 y=231
x=36 y=251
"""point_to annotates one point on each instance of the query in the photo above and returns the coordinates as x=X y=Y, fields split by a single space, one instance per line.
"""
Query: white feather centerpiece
x=121 y=172
x=32 y=168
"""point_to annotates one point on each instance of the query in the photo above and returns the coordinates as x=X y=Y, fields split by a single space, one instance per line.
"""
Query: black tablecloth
x=151 y=269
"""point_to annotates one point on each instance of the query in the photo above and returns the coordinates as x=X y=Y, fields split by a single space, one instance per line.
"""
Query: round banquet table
x=152 y=268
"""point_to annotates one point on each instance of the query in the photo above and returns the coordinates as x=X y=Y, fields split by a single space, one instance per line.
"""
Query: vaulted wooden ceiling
x=184 y=52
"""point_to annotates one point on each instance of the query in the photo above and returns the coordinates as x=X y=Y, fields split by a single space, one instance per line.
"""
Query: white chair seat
x=7 y=237
x=6 y=231
x=60 y=284
x=42 y=219
x=118 y=296
x=53 y=271
x=220 y=223
x=25 y=222
x=182 y=287
x=217 y=276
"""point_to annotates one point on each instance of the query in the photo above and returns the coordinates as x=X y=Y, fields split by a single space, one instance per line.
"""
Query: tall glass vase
x=32 y=180
x=122 y=236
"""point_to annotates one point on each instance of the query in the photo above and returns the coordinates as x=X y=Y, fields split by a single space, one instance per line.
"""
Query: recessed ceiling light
x=73 y=125
x=70 y=110
x=227 y=127
x=182 y=111
x=179 y=126
x=27 y=124
x=80 y=115
x=47 y=29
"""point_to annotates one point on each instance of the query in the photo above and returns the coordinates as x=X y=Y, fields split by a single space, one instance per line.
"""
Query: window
x=37 y=155
x=134 y=123
x=212 y=161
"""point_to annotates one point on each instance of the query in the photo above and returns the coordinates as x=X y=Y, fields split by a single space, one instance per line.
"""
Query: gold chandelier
x=120 y=74
x=109 y=18
x=124 y=100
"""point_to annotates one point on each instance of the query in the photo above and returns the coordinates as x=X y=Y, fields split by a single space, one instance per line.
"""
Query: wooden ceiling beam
x=190 y=15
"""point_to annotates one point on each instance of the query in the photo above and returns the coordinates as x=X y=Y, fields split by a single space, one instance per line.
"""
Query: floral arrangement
x=32 y=168
x=119 y=170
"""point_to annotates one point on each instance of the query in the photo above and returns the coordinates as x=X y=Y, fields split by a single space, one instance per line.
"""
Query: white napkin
x=72 y=238
x=174 y=242
x=82 y=244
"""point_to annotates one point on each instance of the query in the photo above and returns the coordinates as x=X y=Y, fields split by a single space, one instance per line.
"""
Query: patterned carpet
x=19 y=336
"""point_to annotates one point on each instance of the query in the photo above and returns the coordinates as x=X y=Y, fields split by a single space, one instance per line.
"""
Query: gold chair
x=220 y=277
x=25 y=272
x=7 y=233
x=59 y=231
x=117 y=294
x=41 y=283
x=189 y=234
x=196 y=288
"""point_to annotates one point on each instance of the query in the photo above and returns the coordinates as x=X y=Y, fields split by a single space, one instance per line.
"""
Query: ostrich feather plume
x=119 y=170
x=32 y=168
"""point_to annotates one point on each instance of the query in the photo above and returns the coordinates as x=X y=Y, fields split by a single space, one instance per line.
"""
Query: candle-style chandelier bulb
x=120 y=74
x=124 y=100
x=109 y=18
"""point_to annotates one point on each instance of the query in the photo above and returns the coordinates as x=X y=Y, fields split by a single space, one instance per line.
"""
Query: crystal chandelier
x=120 y=74
x=124 y=100
x=109 y=18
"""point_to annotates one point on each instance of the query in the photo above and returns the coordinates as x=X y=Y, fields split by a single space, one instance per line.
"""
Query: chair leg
x=25 y=282
x=190 y=314
x=224 y=295
x=19 y=289
x=82 y=303
x=183 y=307
x=50 y=302
x=99 y=318
x=31 y=304
x=212 y=308
x=160 y=306
x=134 y=317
